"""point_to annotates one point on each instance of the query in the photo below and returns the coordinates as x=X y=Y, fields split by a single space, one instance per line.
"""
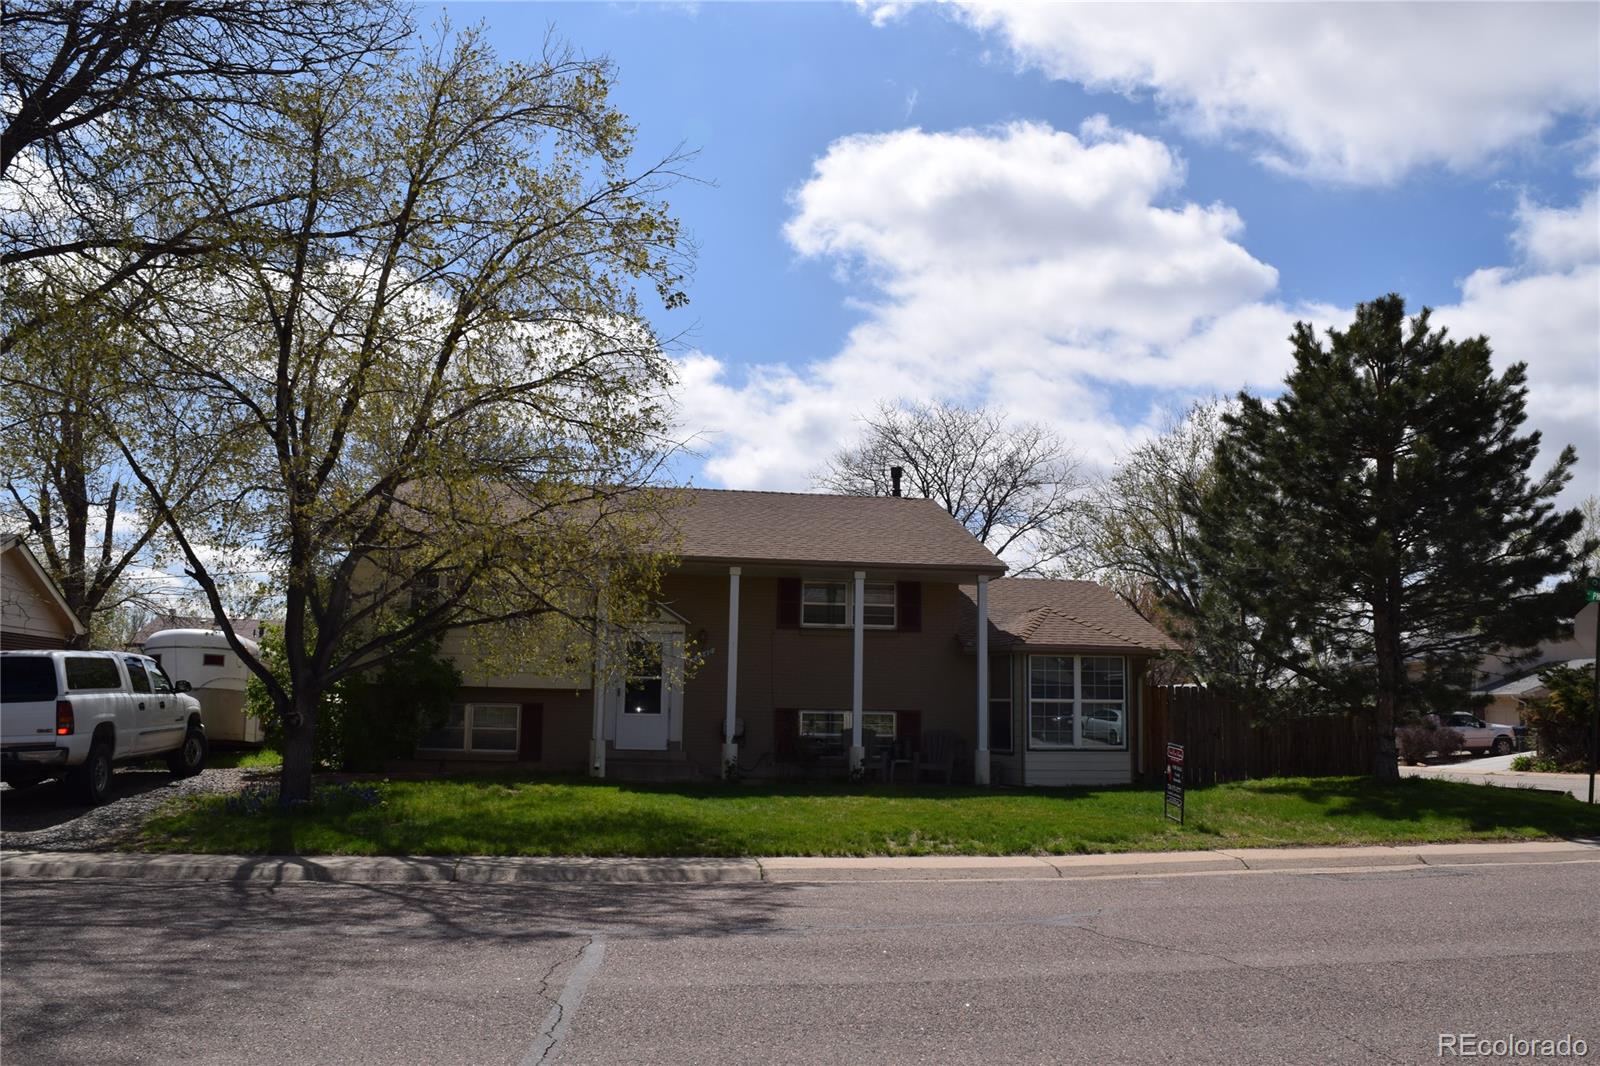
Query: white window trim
x=1078 y=704
x=466 y=731
x=849 y=605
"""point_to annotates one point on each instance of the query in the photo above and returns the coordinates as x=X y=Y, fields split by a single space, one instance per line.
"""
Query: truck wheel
x=189 y=759
x=1502 y=746
x=91 y=782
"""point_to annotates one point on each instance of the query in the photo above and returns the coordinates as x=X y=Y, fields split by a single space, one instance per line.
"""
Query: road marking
x=558 y=1022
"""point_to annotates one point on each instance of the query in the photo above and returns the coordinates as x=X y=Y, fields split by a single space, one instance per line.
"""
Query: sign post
x=1174 y=799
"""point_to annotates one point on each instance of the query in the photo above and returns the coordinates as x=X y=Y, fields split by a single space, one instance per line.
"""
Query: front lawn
x=544 y=816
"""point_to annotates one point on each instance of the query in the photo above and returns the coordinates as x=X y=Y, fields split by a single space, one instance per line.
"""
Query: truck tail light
x=64 y=723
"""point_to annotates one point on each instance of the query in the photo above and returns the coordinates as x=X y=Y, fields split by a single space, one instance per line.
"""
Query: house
x=831 y=631
x=33 y=613
x=1510 y=681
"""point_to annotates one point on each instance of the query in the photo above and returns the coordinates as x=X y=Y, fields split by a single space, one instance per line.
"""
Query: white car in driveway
x=74 y=714
x=1480 y=736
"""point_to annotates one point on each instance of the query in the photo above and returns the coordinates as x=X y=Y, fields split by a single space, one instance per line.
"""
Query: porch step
x=652 y=769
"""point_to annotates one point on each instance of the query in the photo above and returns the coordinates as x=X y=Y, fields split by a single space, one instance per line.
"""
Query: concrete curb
x=499 y=870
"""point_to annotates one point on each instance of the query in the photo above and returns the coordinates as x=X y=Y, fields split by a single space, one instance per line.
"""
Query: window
x=824 y=724
x=1077 y=702
x=879 y=723
x=136 y=674
x=878 y=611
x=209 y=659
x=643 y=694
x=828 y=603
x=27 y=679
x=158 y=678
x=1000 y=703
x=87 y=672
x=836 y=725
x=824 y=603
x=485 y=727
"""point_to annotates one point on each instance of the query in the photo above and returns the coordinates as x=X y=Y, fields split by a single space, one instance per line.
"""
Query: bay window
x=1077 y=702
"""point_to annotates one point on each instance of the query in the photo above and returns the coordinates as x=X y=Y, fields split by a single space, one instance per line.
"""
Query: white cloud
x=1545 y=311
x=1063 y=279
x=1359 y=93
x=1557 y=239
x=1023 y=266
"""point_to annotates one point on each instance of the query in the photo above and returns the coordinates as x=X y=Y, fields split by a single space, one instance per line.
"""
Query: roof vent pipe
x=894 y=479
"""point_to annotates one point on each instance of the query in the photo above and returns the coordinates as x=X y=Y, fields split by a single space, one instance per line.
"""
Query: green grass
x=481 y=816
x=259 y=759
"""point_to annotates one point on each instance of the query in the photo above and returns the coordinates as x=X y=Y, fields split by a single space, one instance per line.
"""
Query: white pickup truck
x=73 y=714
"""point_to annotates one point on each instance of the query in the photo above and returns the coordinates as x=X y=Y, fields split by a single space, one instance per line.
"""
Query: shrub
x=369 y=718
x=1561 y=719
x=1421 y=739
x=1535 y=764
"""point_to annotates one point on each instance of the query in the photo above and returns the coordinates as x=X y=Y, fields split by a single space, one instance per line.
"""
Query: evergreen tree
x=1380 y=517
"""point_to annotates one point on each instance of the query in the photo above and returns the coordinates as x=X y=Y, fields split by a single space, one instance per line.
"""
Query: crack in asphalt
x=559 y=1019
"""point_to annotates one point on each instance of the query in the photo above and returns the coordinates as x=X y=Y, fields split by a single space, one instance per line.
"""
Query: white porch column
x=857 y=751
x=730 y=746
x=980 y=758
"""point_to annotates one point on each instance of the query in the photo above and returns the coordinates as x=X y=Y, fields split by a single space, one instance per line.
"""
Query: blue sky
x=1076 y=215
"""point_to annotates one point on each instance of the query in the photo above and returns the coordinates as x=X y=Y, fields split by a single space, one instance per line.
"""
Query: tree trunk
x=1386 y=643
x=299 y=750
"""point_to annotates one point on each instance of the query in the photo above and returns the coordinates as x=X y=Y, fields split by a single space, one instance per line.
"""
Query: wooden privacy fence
x=1222 y=743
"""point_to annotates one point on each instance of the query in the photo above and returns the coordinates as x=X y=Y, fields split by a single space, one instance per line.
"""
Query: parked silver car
x=1480 y=736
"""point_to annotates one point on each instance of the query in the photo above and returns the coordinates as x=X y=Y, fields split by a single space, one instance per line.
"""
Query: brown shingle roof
x=726 y=525
x=1037 y=613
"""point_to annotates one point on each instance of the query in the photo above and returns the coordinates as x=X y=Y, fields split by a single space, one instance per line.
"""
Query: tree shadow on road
x=112 y=956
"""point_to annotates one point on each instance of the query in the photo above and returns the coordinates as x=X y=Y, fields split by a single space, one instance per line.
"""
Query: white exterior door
x=647 y=703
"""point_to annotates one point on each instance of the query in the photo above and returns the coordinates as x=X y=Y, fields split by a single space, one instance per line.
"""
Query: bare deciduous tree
x=1011 y=484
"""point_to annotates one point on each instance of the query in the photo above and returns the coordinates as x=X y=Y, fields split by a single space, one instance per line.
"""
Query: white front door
x=649 y=696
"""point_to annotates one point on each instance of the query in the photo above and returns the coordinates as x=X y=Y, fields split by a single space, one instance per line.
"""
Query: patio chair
x=938 y=755
x=895 y=755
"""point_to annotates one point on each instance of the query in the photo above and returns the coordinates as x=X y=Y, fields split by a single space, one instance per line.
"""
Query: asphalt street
x=1350 y=966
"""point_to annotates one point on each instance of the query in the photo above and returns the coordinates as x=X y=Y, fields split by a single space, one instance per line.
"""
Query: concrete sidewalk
x=399 y=869
x=1496 y=770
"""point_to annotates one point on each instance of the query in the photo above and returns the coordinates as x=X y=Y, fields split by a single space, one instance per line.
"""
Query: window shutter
x=909 y=726
x=530 y=743
x=786 y=734
x=908 y=606
x=788 y=603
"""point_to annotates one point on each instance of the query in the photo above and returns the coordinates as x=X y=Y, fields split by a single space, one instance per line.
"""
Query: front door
x=644 y=718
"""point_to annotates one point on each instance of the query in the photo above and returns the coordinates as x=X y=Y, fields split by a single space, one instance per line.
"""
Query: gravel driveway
x=45 y=818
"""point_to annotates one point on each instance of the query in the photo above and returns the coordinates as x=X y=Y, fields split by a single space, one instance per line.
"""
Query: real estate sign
x=1174 y=801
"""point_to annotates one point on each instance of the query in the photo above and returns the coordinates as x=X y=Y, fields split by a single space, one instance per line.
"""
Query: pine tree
x=1381 y=519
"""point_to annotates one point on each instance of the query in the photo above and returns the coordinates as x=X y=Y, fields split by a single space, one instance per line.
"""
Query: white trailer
x=204 y=658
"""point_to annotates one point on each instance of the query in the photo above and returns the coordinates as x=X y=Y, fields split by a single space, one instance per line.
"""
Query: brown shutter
x=909 y=725
x=908 y=606
x=530 y=745
x=788 y=603
x=786 y=734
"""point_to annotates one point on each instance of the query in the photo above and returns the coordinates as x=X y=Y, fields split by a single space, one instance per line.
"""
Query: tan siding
x=1080 y=767
x=565 y=721
x=29 y=614
x=811 y=668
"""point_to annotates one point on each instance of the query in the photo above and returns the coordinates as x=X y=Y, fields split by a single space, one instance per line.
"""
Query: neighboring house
x=1510 y=683
x=33 y=613
x=835 y=631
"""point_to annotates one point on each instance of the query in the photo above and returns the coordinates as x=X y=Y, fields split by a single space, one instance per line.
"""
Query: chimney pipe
x=894 y=479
